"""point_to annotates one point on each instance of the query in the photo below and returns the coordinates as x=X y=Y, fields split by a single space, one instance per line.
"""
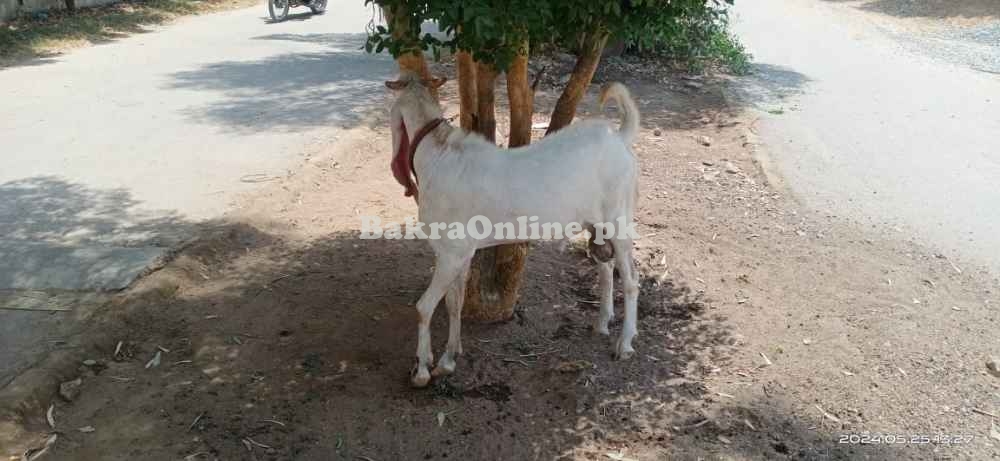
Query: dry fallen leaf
x=248 y=439
x=618 y=456
x=86 y=429
x=829 y=416
x=155 y=361
x=49 y=417
x=34 y=453
x=994 y=432
x=440 y=418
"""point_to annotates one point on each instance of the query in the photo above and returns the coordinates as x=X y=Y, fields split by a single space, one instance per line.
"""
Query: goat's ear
x=395 y=85
x=434 y=83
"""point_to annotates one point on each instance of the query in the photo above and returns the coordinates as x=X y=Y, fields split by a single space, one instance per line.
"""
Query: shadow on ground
x=26 y=40
x=934 y=9
x=340 y=86
x=51 y=228
x=52 y=210
x=679 y=102
x=306 y=350
x=766 y=87
x=300 y=16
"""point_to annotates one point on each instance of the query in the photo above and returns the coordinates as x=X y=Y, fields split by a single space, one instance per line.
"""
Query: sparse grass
x=46 y=34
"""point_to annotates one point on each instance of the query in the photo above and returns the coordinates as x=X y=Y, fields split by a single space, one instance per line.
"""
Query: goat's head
x=414 y=107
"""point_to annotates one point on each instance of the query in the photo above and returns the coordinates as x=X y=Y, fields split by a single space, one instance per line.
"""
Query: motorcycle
x=279 y=8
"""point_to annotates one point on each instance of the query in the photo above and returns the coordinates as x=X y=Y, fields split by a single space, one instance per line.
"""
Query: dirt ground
x=767 y=331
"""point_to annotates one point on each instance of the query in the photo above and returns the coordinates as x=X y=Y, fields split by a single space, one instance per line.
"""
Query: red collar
x=426 y=130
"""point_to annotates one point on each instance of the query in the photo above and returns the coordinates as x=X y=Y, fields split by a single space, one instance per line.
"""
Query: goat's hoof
x=602 y=329
x=421 y=377
x=444 y=367
x=623 y=351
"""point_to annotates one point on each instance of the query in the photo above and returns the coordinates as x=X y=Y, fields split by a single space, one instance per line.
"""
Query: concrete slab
x=39 y=266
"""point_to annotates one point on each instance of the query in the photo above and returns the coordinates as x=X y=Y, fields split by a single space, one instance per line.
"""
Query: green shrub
x=695 y=35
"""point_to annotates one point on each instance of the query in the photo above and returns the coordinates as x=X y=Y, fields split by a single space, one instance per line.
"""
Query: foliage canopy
x=494 y=30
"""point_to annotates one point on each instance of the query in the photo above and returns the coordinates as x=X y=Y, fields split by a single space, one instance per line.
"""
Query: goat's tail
x=630 y=112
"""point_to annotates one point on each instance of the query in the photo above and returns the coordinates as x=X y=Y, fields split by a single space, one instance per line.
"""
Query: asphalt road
x=111 y=154
x=130 y=143
x=863 y=125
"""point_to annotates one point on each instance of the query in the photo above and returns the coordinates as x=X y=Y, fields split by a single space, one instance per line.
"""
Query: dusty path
x=871 y=126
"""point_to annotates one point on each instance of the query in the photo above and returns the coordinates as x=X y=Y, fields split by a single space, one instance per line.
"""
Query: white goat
x=586 y=173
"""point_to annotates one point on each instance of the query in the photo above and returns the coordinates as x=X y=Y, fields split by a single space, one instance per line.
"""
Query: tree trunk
x=521 y=100
x=583 y=73
x=468 y=107
x=495 y=273
x=486 y=78
x=401 y=28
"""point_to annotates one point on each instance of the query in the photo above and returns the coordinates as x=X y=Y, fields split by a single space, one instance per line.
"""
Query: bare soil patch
x=766 y=331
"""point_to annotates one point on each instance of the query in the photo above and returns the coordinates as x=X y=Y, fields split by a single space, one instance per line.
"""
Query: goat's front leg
x=606 y=276
x=454 y=300
x=447 y=268
x=630 y=287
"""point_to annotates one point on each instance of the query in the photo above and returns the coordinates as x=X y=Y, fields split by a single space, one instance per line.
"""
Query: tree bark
x=521 y=100
x=495 y=273
x=468 y=105
x=486 y=78
x=583 y=73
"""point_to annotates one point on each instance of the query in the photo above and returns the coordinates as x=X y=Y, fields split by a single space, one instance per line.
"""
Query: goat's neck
x=416 y=121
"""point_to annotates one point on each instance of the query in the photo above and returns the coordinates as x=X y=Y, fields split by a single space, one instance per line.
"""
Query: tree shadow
x=319 y=337
x=53 y=230
x=930 y=9
x=52 y=210
x=292 y=92
x=22 y=39
x=301 y=16
x=766 y=86
x=679 y=102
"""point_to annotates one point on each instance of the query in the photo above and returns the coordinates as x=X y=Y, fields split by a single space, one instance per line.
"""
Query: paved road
x=113 y=152
x=129 y=143
x=867 y=127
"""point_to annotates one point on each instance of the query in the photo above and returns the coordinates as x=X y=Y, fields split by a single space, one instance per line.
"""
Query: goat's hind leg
x=454 y=300
x=630 y=287
x=447 y=268
x=606 y=284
